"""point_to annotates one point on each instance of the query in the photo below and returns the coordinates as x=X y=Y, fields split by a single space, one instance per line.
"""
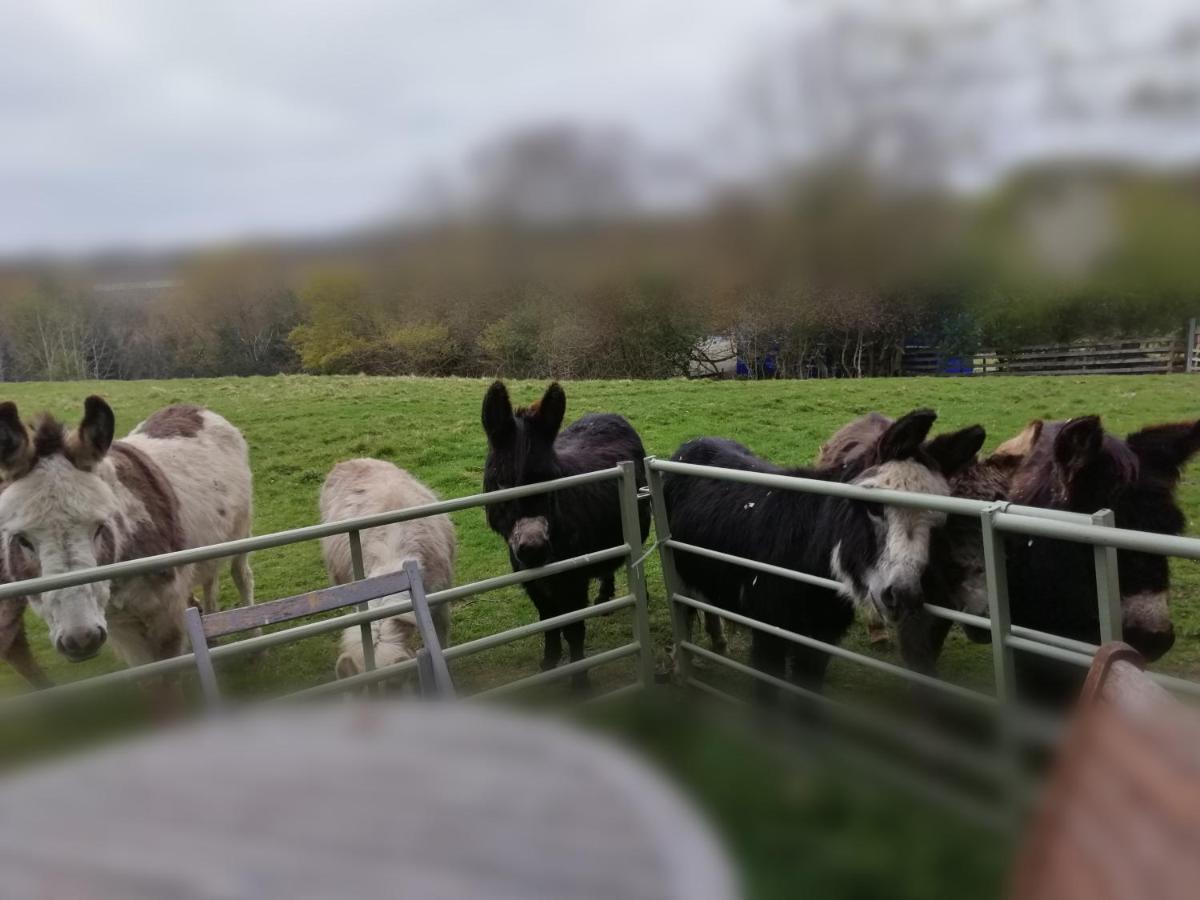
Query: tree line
x=828 y=275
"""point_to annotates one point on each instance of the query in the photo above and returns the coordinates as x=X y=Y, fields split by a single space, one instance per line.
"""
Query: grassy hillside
x=298 y=427
x=788 y=834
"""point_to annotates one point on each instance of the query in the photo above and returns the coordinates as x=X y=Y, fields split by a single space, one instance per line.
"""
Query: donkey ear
x=91 y=441
x=16 y=451
x=1166 y=448
x=550 y=410
x=905 y=435
x=497 y=413
x=1022 y=445
x=1078 y=443
x=957 y=449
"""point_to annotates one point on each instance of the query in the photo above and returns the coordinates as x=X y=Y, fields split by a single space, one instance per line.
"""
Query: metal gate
x=996 y=520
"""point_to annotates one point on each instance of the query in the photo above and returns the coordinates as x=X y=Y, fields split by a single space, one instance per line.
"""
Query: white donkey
x=75 y=499
x=363 y=487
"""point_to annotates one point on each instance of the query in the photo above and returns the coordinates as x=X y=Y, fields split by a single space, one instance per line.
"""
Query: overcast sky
x=159 y=122
x=162 y=122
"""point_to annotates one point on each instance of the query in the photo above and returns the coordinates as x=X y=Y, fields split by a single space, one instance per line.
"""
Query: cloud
x=155 y=123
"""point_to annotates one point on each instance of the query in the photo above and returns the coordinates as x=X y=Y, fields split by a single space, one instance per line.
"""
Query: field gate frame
x=1015 y=725
x=624 y=477
x=996 y=521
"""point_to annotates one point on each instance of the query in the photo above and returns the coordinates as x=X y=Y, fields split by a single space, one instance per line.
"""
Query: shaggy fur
x=525 y=447
x=363 y=487
x=955 y=576
x=878 y=553
x=76 y=500
x=1077 y=466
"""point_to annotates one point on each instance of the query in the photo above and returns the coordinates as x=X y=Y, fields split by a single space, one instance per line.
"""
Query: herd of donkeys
x=73 y=498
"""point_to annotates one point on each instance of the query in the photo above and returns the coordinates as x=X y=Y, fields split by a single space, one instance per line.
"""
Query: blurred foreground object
x=1120 y=816
x=398 y=801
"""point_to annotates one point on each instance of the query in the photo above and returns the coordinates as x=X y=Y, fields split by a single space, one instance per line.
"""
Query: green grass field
x=298 y=427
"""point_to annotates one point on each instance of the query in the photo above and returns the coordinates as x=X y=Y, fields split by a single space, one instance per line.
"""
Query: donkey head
x=1077 y=466
x=883 y=551
x=57 y=515
x=393 y=640
x=521 y=451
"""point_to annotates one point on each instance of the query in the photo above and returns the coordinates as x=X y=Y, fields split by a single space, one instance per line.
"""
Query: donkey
x=878 y=554
x=76 y=499
x=955 y=576
x=14 y=643
x=362 y=487
x=1077 y=466
x=526 y=447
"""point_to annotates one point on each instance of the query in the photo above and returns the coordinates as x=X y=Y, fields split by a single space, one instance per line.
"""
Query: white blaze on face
x=57 y=510
x=902 y=534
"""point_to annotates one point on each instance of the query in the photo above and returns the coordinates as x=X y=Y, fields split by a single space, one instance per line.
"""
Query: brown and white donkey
x=72 y=499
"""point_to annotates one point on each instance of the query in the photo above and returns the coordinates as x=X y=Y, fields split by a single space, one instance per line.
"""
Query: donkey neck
x=149 y=505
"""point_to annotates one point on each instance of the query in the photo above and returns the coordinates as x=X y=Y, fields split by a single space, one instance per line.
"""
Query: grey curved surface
x=398 y=800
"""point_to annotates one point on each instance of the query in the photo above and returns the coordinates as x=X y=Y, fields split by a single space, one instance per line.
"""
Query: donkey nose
x=82 y=644
x=898 y=600
x=1151 y=644
x=531 y=554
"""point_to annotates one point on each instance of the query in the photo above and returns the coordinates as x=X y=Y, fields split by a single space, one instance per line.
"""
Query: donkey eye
x=874 y=510
x=26 y=543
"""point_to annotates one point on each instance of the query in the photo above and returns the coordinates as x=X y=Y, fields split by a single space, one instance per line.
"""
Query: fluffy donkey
x=878 y=553
x=363 y=487
x=1078 y=466
x=955 y=576
x=75 y=499
x=526 y=447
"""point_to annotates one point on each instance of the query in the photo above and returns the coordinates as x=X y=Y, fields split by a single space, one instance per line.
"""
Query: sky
x=161 y=123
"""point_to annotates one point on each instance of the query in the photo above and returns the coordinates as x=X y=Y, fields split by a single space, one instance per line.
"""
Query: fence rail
x=1129 y=356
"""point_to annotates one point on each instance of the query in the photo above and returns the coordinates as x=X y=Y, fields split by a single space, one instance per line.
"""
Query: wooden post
x=1191 y=359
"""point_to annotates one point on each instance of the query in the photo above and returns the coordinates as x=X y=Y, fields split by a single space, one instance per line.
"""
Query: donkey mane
x=49 y=437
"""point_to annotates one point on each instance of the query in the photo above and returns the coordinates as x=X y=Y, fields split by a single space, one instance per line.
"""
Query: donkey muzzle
x=530 y=541
x=81 y=643
x=1146 y=623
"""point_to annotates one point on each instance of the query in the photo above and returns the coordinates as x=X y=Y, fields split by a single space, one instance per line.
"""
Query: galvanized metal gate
x=996 y=520
x=1014 y=724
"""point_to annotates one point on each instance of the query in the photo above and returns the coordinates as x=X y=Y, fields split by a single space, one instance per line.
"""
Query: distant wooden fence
x=1124 y=356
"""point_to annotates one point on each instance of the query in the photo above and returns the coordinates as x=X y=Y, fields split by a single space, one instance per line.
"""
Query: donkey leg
x=542 y=593
x=921 y=637
x=551 y=648
x=243 y=578
x=608 y=588
x=715 y=627
x=19 y=655
x=768 y=654
x=575 y=633
x=210 y=595
x=573 y=596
